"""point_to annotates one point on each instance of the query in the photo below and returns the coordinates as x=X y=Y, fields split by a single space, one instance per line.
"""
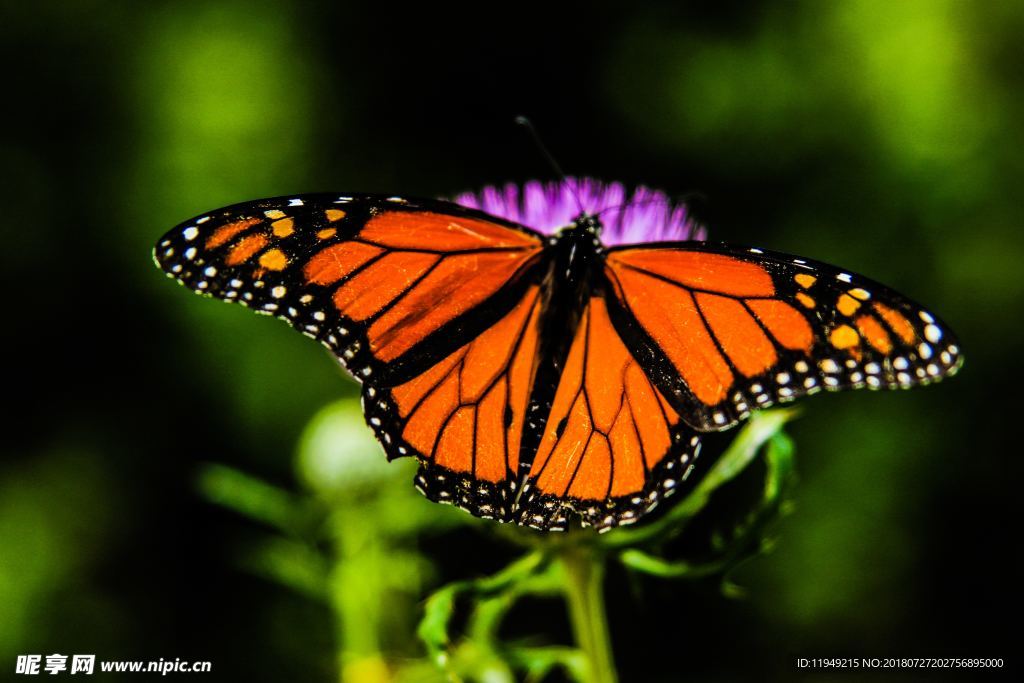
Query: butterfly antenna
x=528 y=125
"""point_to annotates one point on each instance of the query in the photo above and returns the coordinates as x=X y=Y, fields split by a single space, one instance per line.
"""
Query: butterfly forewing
x=727 y=330
x=372 y=278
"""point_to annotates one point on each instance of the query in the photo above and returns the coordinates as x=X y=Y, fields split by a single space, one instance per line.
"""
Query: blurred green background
x=883 y=136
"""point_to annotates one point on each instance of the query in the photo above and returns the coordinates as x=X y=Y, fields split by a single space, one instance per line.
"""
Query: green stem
x=584 y=592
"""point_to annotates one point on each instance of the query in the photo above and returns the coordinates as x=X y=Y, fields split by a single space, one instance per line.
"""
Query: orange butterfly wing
x=464 y=417
x=372 y=278
x=394 y=288
x=726 y=330
x=612 y=446
x=443 y=314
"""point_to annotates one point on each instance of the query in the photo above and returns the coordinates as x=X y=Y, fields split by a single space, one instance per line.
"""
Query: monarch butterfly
x=540 y=377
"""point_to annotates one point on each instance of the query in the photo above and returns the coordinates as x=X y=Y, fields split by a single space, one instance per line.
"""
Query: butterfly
x=541 y=378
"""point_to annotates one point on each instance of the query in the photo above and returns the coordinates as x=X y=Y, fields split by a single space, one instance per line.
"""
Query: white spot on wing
x=829 y=365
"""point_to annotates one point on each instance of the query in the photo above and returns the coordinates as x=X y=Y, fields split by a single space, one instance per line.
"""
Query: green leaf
x=667 y=569
x=250 y=497
x=292 y=564
x=491 y=598
x=761 y=428
x=433 y=627
x=737 y=541
x=538 y=662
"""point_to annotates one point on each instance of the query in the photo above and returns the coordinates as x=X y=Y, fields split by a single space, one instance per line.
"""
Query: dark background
x=882 y=136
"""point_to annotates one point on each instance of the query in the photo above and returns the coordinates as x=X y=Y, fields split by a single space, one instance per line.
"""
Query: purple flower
x=645 y=216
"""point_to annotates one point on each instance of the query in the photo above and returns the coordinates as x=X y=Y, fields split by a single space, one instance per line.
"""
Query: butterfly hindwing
x=728 y=330
x=612 y=446
x=464 y=417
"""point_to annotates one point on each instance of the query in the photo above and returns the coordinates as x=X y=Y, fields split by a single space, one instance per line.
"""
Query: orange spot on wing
x=334 y=214
x=847 y=305
x=227 y=232
x=274 y=259
x=337 y=261
x=455 y=449
x=669 y=315
x=789 y=327
x=899 y=324
x=699 y=270
x=805 y=301
x=326 y=233
x=805 y=280
x=426 y=230
x=844 y=337
x=245 y=248
x=283 y=227
x=742 y=339
x=876 y=335
x=379 y=284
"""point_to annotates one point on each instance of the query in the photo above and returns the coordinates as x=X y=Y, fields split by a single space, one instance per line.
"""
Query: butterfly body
x=569 y=273
x=539 y=378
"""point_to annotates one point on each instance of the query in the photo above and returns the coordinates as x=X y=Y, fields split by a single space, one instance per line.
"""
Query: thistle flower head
x=646 y=215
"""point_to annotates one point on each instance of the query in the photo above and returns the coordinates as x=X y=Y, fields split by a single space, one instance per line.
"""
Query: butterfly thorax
x=574 y=260
x=576 y=248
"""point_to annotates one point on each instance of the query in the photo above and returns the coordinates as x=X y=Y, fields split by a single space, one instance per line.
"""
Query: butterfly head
x=585 y=225
x=588 y=223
